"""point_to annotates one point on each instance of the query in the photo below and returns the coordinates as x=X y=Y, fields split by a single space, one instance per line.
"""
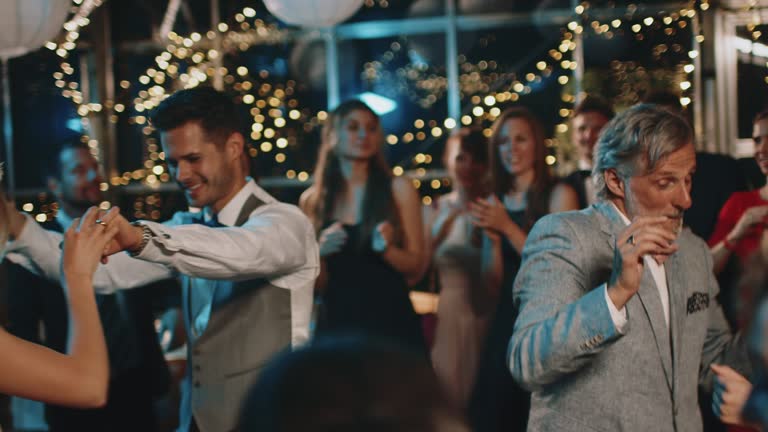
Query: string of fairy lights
x=669 y=24
x=487 y=86
x=485 y=109
x=64 y=76
x=280 y=120
x=276 y=113
x=752 y=8
x=757 y=30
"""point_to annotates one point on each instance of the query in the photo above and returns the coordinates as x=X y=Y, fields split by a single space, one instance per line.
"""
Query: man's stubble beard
x=673 y=225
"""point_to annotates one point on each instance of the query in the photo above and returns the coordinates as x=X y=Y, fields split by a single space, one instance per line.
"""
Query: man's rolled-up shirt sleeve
x=562 y=323
x=276 y=241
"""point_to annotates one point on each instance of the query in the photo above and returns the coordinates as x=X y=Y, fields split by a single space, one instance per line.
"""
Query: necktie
x=213 y=222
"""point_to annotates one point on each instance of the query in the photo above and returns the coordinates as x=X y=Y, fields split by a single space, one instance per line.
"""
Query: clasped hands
x=491 y=215
x=333 y=238
x=126 y=237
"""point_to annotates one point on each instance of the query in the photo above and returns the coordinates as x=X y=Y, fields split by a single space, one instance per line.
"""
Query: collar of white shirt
x=229 y=214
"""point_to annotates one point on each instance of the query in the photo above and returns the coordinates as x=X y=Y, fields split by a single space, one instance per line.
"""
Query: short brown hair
x=216 y=113
x=594 y=104
x=761 y=115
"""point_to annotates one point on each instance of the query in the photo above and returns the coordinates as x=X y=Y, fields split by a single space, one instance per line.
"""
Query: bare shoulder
x=307 y=198
x=563 y=198
x=562 y=190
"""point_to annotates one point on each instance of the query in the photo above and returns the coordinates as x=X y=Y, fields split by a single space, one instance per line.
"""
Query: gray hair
x=636 y=141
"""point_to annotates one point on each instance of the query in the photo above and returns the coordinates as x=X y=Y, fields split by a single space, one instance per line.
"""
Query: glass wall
x=399 y=54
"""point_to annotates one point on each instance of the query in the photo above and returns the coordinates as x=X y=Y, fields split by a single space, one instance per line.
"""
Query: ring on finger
x=101 y=222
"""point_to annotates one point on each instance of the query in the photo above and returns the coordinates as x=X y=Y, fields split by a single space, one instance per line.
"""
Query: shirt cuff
x=619 y=317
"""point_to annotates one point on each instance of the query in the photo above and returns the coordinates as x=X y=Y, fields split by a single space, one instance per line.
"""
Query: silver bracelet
x=146 y=234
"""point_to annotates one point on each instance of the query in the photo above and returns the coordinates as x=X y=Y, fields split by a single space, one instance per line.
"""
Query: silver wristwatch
x=146 y=234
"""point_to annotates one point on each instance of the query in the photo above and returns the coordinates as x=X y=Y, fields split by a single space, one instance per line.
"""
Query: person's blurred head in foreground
x=348 y=385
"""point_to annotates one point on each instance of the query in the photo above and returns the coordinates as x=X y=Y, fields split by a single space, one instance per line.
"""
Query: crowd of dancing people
x=570 y=303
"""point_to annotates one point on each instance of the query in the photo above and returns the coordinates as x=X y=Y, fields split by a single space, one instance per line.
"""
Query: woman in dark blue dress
x=370 y=232
x=524 y=190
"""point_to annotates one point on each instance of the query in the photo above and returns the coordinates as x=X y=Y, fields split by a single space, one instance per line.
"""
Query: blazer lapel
x=648 y=294
x=675 y=270
x=651 y=301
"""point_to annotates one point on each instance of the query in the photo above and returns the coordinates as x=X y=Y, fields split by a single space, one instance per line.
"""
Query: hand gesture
x=490 y=214
x=332 y=239
x=646 y=235
x=493 y=236
x=128 y=236
x=383 y=236
x=731 y=393
x=84 y=243
x=750 y=218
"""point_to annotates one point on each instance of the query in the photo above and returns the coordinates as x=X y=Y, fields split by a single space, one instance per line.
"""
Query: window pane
x=752 y=80
x=408 y=73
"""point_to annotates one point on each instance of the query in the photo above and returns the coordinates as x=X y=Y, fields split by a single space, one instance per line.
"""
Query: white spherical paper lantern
x=313 y=13
x=25 y=25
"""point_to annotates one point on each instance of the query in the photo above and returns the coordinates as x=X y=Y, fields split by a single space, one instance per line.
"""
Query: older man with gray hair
x=618 y=319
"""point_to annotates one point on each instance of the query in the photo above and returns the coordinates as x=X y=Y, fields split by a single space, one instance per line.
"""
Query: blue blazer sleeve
x=562 y=322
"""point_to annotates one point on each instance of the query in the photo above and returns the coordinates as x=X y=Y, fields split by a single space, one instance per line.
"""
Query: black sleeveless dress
x=498 y=403
x=365 y=296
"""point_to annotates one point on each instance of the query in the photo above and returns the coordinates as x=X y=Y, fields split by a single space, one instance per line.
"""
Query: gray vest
x=250 y=321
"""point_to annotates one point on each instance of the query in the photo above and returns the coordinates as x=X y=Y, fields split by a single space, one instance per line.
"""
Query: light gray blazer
x=583 y=374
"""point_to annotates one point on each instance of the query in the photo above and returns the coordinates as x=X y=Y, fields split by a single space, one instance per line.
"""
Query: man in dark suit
x=588 y=119
x=38 y=312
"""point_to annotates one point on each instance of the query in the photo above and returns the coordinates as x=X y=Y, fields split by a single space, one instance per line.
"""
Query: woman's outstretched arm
x=78 y=378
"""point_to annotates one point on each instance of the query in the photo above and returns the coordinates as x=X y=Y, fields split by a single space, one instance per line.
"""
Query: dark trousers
x=129 y=408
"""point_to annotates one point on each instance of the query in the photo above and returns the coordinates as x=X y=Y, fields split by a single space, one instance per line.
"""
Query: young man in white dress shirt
x=247 y=262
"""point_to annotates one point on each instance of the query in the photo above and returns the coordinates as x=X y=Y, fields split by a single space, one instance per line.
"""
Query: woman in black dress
x=370 y=232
